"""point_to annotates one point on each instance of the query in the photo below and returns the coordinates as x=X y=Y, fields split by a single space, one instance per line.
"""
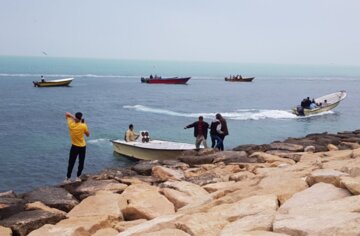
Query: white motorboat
x=327 y=103
x=151 y=150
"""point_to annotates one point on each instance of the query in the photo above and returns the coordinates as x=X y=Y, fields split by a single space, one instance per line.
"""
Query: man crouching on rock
x=77 y=129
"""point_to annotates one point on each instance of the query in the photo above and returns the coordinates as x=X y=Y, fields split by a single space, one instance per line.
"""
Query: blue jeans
x=216 y=141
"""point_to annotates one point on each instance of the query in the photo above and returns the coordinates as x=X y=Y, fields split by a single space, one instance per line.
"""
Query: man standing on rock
x=200 y=131
x=77 y=129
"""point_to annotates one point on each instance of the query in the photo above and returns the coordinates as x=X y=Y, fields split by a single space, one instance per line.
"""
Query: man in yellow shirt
x=77 y=129
x=131 y=135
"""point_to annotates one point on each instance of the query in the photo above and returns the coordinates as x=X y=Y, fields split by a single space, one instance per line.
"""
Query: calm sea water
x=34 y=139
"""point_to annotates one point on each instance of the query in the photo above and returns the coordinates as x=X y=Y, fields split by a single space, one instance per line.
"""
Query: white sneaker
x=78 y=179
x=67 y=181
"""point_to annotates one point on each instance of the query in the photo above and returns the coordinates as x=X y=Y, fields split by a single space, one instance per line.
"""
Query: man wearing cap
x=77 y=129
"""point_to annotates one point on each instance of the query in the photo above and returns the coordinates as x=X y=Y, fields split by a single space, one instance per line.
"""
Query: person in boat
x=200 y=131
x=42 y=79
x=313 y=104
x=131 y=135
x=215 y=132
x=151 y=77
x=77 y=129
x=325 y=103
x=224 y=130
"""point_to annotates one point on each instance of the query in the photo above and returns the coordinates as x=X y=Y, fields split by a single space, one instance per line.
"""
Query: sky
x=243 y=31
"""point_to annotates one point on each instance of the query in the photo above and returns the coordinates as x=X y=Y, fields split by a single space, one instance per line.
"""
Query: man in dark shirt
x=200 y=131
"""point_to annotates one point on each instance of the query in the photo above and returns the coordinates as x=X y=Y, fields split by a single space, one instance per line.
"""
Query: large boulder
x=55 y=197
x=143 y=201
x=182 y=193
x=5 y=231
x=90 y=187
x=196 y=160
x=268 y=158
x=351 y=184
x=27 y=221
x=326 y=176
x=286 y=146
x=166 y=232
x=318 y=193
x=156 y=224
x=261 y=221
x=164 y=173
x=209 y=224
x=41 y=206
x=115 y=173
x=76 y=226
x=250 y=148
x=124 y=225
x=10 y=204
x=246 y=207
x=106 y=232
x=228 y=157
x=144 y=167
x=103 y=203
x=334 y=217
x=218 y=186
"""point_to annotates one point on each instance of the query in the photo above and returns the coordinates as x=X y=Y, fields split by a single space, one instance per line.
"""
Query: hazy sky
x=254 y=31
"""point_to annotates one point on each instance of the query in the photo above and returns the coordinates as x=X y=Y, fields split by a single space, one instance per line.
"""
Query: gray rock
x=8 y=194
x=55 y=197
x=115 y=173
x=10 y=205
x=310 y=149
x=91 y=186
x=233 y=157
x=207 y=178
x=25 y=222
x=286 y=154
x=287 y=146
x=144 y=167
x=251 y=148
x=196 y=160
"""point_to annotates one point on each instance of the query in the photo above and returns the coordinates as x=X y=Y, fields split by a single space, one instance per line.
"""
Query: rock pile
x=276 y=189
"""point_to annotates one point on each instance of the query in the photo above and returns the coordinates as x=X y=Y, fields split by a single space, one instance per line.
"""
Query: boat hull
x=240 y=80
x=308 y=112
x=53 y=83
x=333 y=100
x=166 y=80
x=146 y=152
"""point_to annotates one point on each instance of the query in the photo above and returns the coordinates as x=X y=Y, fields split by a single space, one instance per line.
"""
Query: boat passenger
x=200 y=131
x=224 y=130
x=307 y=103
x=215 y=132
x=42 y=79
x=131 y=135
x=151 y=76
x=325 y=103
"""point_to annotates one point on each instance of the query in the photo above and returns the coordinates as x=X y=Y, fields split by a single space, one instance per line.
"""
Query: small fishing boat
x=151 y=150
x=324 y=103
x=239 y=79
x=53 y=83
x=169 y=80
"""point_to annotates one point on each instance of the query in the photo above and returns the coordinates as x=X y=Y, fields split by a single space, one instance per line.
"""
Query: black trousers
x=74 y=152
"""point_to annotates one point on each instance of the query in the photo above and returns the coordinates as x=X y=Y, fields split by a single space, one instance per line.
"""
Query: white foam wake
x=99 y=141
x=241 y=114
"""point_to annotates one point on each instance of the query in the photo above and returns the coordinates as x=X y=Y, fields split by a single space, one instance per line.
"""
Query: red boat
x=160 y=80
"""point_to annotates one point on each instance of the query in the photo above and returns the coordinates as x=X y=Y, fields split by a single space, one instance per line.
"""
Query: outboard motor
x=300 y=110
x=144 y=136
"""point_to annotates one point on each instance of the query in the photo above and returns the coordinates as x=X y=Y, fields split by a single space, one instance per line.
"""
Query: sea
x=34 y=137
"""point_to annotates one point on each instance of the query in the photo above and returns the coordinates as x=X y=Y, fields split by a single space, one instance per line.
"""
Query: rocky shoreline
x=299 y=186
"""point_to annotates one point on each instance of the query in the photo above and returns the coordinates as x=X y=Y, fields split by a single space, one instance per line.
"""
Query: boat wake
x=240 y=114
x=99 y=141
